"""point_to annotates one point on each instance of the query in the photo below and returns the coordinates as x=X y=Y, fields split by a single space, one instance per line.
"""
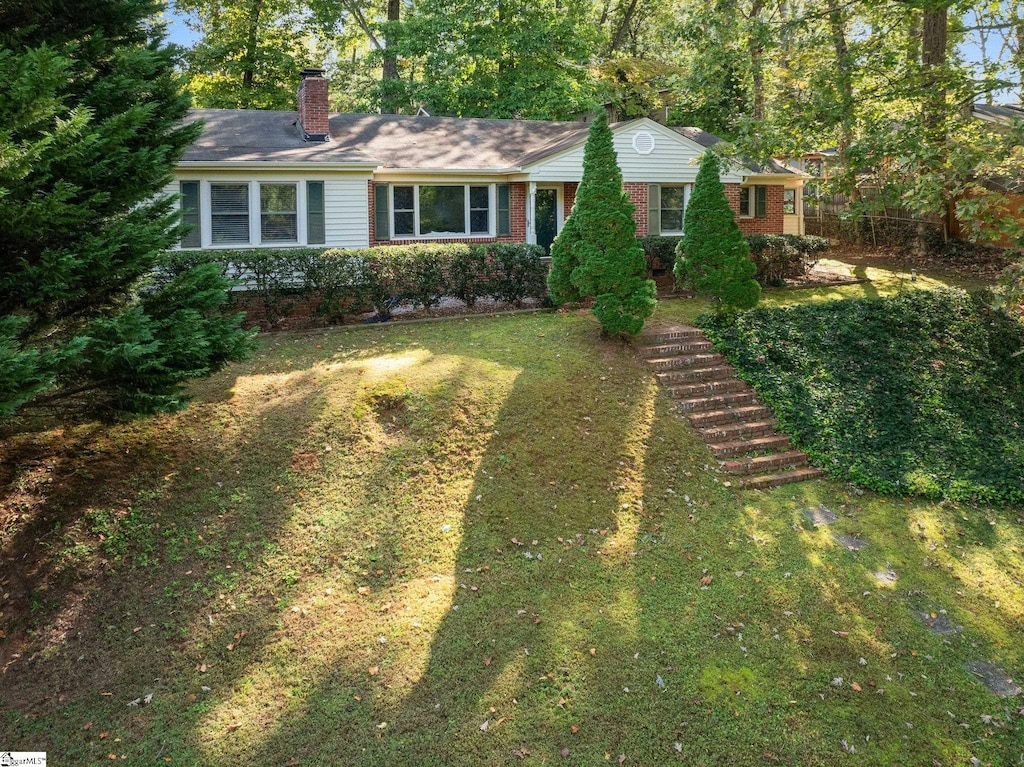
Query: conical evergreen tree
x=608 y=262
x=563 y=262
x=713 y=257
x=91 y=110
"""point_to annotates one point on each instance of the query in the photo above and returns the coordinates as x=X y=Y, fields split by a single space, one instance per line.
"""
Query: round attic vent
x=643 y=142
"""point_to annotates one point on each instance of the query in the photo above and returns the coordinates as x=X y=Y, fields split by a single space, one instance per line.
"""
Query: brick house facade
x=321 y=171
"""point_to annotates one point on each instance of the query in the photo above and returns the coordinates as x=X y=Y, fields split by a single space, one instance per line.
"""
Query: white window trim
x=687 y=189
x=255 y=214
x=300 y=236
x=751 y=210
x=492 y=198
x=795 y=201
x=531 y=209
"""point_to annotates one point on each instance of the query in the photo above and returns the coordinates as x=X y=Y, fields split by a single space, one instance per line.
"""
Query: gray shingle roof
x=1001 y=113
x=395 y=141
x=708 y=140
x=257 y=135
x=402 y=141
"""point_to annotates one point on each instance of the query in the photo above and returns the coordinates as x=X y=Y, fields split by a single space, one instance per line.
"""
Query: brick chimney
x=313 y=105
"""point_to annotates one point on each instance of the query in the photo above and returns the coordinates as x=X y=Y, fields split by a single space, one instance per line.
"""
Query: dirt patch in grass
x=974 y=265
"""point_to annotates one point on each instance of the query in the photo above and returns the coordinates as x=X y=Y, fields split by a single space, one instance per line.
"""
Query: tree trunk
x=844 y=81
x=389 y=73
x=755 y=49
x=628 y=11
x=251 y=46
x=935 y=28
x=1018 y=56
x=933 y=60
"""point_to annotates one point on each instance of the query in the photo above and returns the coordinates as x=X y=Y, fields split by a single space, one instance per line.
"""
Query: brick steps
x=717 y=401
x=706 y=389
x=680 y=347
x=686 y=361
x=767 y=481
x=687 y=375
x=769 y=443
x=739 y=430
x=740 y=414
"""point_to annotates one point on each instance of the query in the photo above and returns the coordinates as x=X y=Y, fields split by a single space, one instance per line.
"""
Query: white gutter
x=274 y=165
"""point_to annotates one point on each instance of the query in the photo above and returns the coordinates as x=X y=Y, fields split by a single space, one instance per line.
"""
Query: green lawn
x=479 y=542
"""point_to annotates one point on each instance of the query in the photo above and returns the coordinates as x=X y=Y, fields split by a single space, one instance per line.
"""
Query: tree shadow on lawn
x=510 y=671
x=506 y=622
x=168 y=521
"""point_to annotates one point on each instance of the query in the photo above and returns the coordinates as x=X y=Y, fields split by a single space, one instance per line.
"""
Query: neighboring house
x=276 y=179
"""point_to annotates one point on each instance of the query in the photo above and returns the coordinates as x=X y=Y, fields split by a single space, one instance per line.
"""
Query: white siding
x=346 y=203
x=347 y=212
x=672 y=160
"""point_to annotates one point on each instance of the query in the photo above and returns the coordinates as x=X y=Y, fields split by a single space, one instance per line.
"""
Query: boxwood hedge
x=336 y=282
x=922 y=393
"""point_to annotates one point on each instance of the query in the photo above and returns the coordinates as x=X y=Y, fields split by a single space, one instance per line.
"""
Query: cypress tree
x=609 y=261
x=91 y=110
x=713 y=257
x=563 y=262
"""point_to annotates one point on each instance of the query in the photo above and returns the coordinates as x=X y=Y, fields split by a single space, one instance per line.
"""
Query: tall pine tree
x=90 y=130
x=609 y=263
x=713 y=257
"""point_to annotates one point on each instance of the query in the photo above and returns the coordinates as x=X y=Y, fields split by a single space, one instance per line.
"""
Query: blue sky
x=177 y=32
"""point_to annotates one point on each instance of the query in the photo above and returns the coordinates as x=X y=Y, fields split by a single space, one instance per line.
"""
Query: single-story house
x=260 y=178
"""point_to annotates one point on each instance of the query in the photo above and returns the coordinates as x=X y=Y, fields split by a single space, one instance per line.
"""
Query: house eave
x=274 y=165
x=387 y=170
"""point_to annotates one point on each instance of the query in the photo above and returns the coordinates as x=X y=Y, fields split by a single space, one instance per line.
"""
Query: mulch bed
x=971 y=263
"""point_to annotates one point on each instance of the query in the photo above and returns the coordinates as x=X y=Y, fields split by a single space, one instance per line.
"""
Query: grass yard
x=483 y=541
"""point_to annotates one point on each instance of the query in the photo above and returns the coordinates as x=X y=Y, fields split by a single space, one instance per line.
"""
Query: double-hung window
x=753 y=201
x=279 y=213
x=666 y=208
x=441 y=210
x=673 y=199
x=229 y=214
x=789 y=201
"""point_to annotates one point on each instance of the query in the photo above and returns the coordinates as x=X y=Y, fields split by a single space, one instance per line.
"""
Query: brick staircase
x=724 y=410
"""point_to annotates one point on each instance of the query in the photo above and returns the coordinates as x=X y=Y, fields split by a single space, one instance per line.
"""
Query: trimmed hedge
x=921 y=393
x=338 y=282
x=778 y=256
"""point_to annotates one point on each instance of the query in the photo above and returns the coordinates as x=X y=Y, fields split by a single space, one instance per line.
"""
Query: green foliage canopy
x=90 y=129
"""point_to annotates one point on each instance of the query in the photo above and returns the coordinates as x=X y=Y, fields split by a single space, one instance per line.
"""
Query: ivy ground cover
x=918 y=393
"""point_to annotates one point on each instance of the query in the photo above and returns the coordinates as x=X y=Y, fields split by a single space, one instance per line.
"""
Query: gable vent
x=643 y=142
